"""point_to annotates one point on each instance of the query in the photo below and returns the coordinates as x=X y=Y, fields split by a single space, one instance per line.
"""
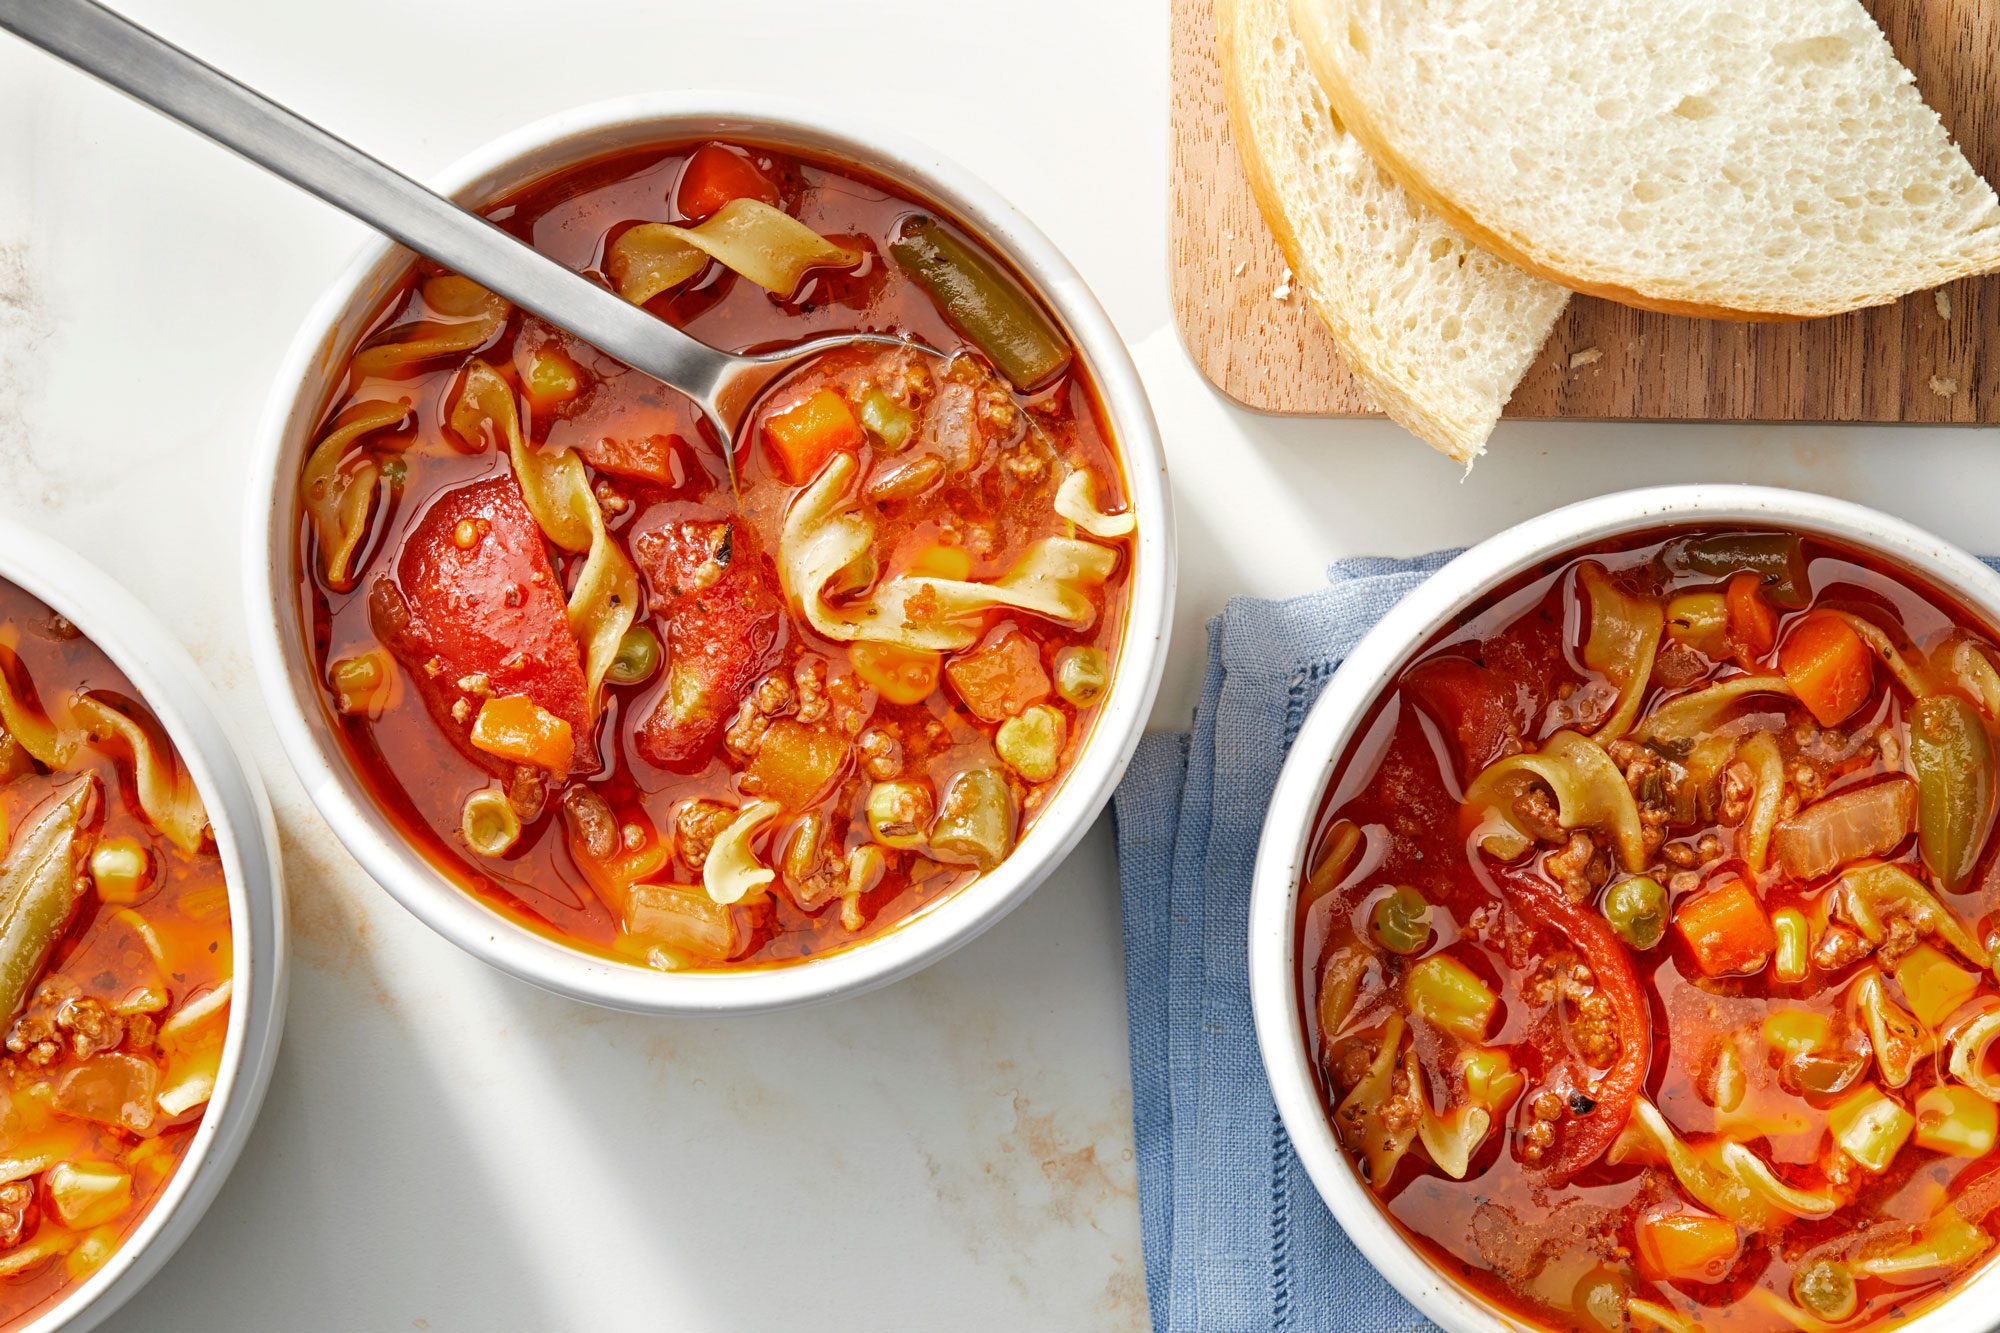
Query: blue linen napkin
x=1236 y=1239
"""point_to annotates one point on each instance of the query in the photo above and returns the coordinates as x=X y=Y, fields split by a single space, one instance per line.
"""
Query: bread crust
x=1457 y=440
x=1316 y=23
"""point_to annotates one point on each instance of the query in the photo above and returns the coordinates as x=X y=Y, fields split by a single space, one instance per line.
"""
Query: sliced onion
x=1847 y=826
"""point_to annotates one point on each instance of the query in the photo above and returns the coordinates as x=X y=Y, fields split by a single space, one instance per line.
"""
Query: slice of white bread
x=1438 y=331
x=1750 y=159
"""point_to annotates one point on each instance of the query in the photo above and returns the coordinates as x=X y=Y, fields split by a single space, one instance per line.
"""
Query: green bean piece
x=39 y=891
x=982 y=302
x=1637 y=910
x=975 y=822
x=1081 y=675
x=1778 y=558
x=637 y=658
x=1401 y=921
x=1825 y=1288
x=1953 y=760
x=887 y=421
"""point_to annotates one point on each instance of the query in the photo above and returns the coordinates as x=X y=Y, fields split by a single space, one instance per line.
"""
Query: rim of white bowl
x=285 y=671
x=1330 y=725
x=172 y=687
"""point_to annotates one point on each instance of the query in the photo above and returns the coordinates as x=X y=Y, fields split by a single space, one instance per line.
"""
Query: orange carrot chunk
x=1726 y=930
x=1753 y=625
x=1828 y=667
x=803 y=437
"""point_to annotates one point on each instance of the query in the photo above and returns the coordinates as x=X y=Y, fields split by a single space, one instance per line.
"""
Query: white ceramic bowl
x=247 y=841
x=284 y=664
x=1330 y=725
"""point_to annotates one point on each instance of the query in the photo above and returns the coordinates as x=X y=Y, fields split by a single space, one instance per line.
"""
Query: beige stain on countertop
x=25 y=324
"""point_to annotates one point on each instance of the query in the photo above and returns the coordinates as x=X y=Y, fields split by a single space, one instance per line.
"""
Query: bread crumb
x=1942 y=387
x=1283 y=291
x=1943 y=299
x=1588 y=356
x=1237 y=272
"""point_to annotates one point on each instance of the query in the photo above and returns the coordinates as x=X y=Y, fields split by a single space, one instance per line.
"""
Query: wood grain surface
x=1257 y=340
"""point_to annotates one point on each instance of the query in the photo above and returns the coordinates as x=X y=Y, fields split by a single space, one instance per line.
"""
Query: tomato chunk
x=475 y=611
x=802 y=437
x=1828 y=667
x=716 y=174
x=1727 y=930
x=725 y=622
x=1597 y=1110
x=1472 y=706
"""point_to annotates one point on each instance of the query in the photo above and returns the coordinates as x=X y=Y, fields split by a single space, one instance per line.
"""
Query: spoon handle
x=174 y=83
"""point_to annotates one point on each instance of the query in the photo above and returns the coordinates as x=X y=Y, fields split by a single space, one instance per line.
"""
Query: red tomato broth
x=1507 y=1233
x=101 y=959
x=649 y=445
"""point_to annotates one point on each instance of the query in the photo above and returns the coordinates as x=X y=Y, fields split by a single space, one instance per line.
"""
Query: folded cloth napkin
x=1236 y=1238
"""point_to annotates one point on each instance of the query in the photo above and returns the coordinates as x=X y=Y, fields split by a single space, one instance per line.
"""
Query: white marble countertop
x=445 y=1148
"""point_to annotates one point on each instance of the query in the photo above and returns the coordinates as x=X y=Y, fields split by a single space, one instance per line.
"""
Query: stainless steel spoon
x=724 y=385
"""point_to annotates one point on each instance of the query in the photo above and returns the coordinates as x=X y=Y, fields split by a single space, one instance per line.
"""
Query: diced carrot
x=1726 y=930
x=516 y=727
x=1753 y=625
x=1686 y=1247
x=802 y=437
x=716 y=174
x=1828 y=667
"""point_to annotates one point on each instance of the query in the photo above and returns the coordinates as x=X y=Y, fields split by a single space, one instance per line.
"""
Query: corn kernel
x=1797 y=1031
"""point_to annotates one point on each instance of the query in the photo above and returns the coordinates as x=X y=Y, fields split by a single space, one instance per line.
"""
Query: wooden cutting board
x=1923 y=359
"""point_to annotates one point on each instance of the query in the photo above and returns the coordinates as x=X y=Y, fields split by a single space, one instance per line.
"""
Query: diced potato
x=999 y=679
x=1957 y=1121
x=975 y=823
x=1796 y=1031
x=795 y=764
x=87 y=1194
x=1686 y=1247
x=900 y=675
x=1032 y=743
x=1451 y=997
x=1933 y=985
x=1869 y=1127
x=900 y=813
x=515 y=727
x=121 y=869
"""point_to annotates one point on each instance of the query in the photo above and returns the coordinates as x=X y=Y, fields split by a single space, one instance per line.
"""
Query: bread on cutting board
x=1438 y=331
x=1748 y=159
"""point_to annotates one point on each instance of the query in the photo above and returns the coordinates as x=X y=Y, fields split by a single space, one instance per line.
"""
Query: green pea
x=1637 y=911
x=638 y=656
x=1401 y=921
